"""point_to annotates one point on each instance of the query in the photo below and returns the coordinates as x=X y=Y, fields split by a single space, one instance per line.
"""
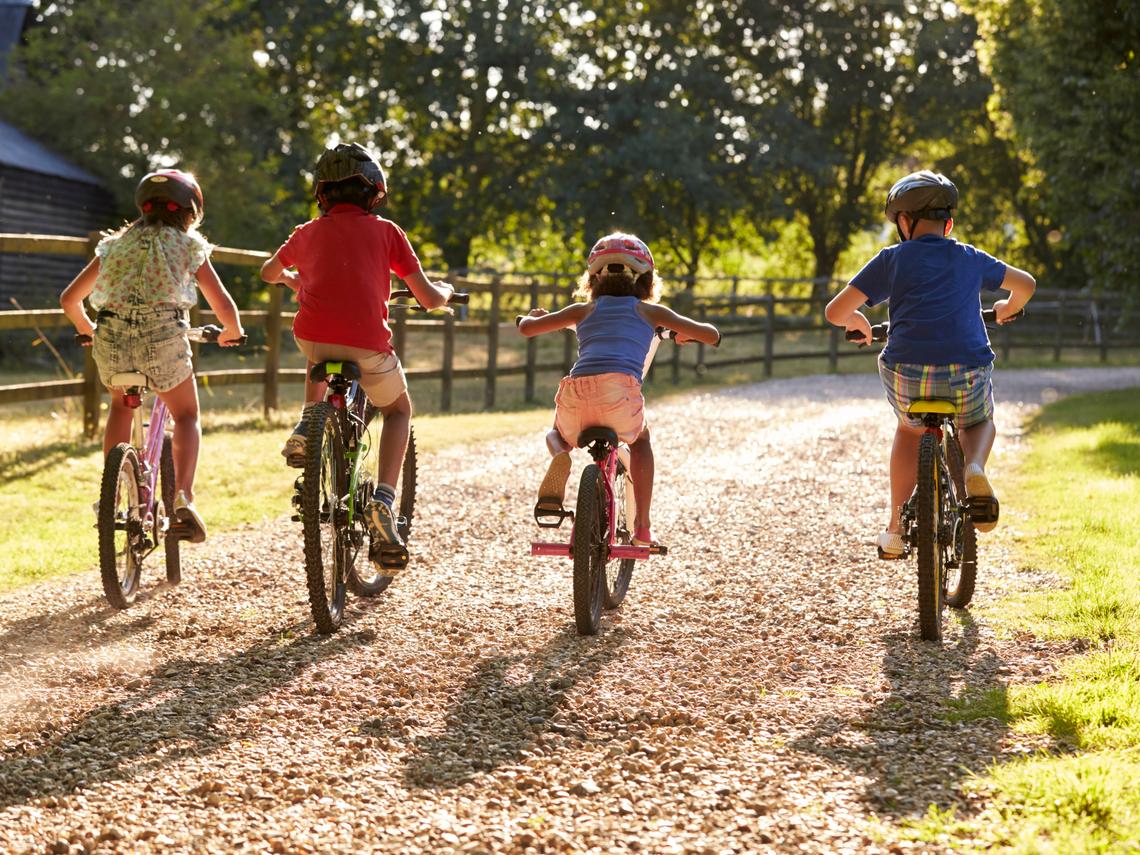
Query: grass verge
x=1081 y=483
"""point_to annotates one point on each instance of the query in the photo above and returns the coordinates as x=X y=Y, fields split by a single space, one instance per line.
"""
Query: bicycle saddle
x=597 y=434
x=348 y=370
x=932 y=406
x=128 y=378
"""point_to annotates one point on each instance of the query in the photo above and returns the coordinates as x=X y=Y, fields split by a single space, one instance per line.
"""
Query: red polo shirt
x=343 y=260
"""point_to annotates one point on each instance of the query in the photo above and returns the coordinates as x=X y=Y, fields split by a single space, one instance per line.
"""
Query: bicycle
x=134 y=518
x=938 y=519
x=601 y=537
x=335 y=486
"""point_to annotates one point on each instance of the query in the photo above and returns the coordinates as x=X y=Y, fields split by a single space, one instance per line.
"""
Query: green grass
x=1080 y=483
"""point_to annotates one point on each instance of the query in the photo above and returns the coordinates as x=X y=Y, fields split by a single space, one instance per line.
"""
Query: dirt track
x=762 y=689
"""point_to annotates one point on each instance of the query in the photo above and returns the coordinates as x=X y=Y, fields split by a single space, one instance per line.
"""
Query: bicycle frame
x=149 y=443
x=944 y=427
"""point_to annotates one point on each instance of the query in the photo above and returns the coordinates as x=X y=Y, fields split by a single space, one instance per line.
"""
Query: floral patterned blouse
x=149 y=267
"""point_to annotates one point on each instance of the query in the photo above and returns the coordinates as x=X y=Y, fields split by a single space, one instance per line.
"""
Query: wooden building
x=41 y=193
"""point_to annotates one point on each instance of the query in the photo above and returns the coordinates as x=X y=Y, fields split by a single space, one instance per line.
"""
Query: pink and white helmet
x=629 y=251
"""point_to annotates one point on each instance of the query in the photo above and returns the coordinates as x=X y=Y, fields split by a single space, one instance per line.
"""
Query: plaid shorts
x=967 y=387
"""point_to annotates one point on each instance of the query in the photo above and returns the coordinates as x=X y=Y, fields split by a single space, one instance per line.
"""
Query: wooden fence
x=1059 y=320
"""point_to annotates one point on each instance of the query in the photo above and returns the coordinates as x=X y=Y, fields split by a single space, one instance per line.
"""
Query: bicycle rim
x=619 y=573
x=171 y=545
x=928 y=520
x=325 y=554
x=121 y=521
x=960 y=584
x=589 y=542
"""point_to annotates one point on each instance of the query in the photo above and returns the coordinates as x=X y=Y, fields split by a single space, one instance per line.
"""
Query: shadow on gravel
x=174 y=716
x=912 y=745
x=511 y=704
x=36 y=635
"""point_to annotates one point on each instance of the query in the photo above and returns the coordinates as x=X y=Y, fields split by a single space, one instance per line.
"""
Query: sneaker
x=891 y=543
x=382 y=520
x=643 y=537
x=188 y=515
x=295 y=444
x=977 y=484
x=95 y=508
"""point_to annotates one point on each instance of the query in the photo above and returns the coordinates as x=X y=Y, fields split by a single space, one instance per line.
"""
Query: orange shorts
x=599 y=400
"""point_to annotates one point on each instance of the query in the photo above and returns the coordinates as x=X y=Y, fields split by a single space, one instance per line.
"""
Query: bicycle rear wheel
x=324 y=519
x=618 y=573
x=171 y=545
x=929 y=522
x=121 y=526
x=589 y=551
x=960 y=585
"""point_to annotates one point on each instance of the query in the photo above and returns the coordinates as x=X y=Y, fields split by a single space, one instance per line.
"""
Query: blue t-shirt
x=934 y=285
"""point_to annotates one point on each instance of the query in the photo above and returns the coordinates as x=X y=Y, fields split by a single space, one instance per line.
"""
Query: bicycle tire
x=588 y=546
x=928 y=514
x=959 y=595
x=324 y=540
x=120 y=548
x=619 y=573
x=373 y=585
x=172 y=546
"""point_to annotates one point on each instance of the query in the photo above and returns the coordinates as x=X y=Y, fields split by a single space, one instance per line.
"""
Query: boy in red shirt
x=342 y=281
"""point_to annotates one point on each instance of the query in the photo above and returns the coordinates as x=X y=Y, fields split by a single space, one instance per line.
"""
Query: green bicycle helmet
x=348 y=161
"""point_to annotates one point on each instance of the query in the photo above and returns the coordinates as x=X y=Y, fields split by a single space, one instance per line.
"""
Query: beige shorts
x=599 y=400
x=381 y=375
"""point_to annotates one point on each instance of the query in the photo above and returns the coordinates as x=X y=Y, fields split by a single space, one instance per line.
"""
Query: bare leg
x=394 y=438
x=182 y=402
x=904 y=470
x=641 y=473
x=119 y=420
x=978 y=442
x=555 y=444
x=314 y=392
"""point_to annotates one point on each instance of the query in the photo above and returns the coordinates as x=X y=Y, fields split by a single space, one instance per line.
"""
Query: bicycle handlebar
x=879 y=332
x=671 y=335
x=208 y=334
x=457 y=298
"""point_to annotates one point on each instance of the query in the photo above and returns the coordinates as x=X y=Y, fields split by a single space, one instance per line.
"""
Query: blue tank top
x=614 y=338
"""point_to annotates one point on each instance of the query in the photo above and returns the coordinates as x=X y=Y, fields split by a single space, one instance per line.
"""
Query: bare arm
x=688 y=330
x=274 y=271
x=843 y=311
x=74 y=294
x=541 y=321
x=430 y=295
x=222 y=304
x=1020 y=286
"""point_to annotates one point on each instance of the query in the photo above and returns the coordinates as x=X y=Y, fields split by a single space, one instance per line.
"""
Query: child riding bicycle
x=143 y=281
x=938 y=347
x=342 y=261
x=615 y=328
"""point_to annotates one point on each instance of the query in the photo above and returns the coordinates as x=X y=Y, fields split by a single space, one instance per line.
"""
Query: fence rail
x=1055 y=320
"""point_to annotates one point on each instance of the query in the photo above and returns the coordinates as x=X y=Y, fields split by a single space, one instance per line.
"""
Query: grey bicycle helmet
x=348 y=161
x=922 y=195
x=178 y=187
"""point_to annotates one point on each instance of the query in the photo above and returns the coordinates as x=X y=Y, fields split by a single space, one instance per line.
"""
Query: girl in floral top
x=142 y=283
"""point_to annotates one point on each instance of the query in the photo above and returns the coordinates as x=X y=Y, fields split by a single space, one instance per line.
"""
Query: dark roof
x=20 y=151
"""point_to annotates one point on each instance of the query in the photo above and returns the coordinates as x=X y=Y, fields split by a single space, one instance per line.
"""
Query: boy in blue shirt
x=938 y=346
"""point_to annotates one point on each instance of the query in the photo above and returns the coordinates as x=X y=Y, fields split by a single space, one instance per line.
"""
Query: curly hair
x=183 y=219
x=645 y=287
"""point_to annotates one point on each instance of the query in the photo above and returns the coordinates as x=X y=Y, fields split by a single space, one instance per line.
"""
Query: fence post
x=272 y=347
x=531 y=347
x=1060 y=328
x=833 y=349
x=195 y=320
x=92 y=388
x=1104 y=329
x=492 y=342
x=732 y=302
x=398 y=320
x=569 y=337
x=769 y=330
x=448 y=362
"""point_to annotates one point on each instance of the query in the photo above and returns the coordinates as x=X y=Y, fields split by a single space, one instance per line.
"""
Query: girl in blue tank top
x=615 y=328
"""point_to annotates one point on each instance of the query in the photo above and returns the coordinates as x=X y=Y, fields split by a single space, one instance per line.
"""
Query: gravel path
x=763 y=688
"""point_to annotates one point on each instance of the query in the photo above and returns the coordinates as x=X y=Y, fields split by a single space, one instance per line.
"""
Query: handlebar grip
x=460 y=299
x=210 y=334
x=989 y=316
x=85 y=340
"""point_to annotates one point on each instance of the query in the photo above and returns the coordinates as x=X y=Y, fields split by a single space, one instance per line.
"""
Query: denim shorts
x=149 y=340
x=599 y=400
x=967 y=387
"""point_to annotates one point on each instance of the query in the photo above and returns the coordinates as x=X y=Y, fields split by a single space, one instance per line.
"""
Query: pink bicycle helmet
x=628 y=251
x=179 y=187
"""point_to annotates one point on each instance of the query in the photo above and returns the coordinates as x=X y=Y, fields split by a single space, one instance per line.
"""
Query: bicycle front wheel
x=324 y=520
x=589 y=551
x=619 y=573
x=929 y=522
x=171 y=545
x=122 y=519
x=960 y=585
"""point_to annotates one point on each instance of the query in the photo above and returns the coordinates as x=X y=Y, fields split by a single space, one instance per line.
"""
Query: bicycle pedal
x=295 y=461
x=983 y=509
x=658 y=549
x=389 y=556
x=178 y=531
x=551 y=517
x=295 y=518
x=890 y=556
